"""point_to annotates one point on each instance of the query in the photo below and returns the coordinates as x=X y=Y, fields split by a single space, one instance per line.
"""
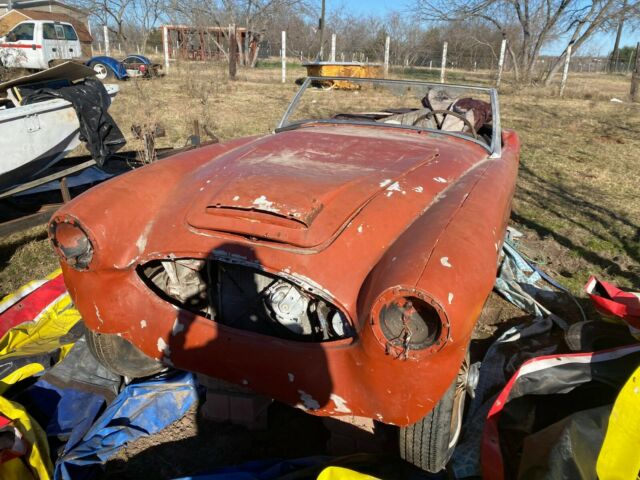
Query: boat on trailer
x=36 y=136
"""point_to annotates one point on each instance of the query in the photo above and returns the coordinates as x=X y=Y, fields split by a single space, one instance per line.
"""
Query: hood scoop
x=264 y=211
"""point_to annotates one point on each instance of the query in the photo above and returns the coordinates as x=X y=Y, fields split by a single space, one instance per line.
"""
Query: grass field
x=577 y=198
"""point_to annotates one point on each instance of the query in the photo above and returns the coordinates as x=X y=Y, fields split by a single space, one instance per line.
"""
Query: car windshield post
x=493 y=145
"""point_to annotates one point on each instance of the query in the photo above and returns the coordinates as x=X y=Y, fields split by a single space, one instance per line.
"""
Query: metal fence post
x=283 y=54
x=565 y=72
x=443 y=65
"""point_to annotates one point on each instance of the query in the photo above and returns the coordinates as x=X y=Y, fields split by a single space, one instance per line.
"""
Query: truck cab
x=34 y=44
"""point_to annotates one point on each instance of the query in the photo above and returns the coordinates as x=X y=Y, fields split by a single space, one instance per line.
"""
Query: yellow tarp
x=619 y=457
x=43 y=335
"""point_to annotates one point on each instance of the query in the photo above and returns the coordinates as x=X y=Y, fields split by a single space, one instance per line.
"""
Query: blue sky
x=599 y=44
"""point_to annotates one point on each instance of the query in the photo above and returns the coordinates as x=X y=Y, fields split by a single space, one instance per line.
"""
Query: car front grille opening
x=246 y=298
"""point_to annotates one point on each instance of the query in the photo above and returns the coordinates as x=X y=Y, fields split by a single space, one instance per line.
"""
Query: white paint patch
x=450 y=298
x=263 y=204
x=341 y=404
x=360 y=229
x=141 y=243
x=445 y=262
x=201 y=188
x=98 y=314
x=143 y=324
x=291 y=377
x=163 y=347
x=440 y=179
x=386 y=182
x=236 y=198
x=177 y=327
x=245 y=382
x=418 y=189
x=394 y=259
x=394 y=187
x=308 y=401
x=379 y=417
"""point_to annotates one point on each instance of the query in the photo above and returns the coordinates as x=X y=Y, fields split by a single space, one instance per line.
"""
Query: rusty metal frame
x=495 y=149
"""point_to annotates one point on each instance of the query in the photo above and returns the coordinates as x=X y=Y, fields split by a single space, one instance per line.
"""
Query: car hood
x=302 y=187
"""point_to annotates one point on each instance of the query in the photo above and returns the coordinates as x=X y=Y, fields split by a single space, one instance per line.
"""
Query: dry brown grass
x=577 y=195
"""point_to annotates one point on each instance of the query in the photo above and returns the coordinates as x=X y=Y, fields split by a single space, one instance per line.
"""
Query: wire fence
x=491 y=60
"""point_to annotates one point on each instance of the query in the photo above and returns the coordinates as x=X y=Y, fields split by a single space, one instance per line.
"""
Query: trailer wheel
x=120 y=356
x=429 y=443
x=103 y=72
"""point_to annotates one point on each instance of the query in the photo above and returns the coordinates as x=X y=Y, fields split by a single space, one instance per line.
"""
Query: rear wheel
x=120 y=356
x=429 y=443
x=102 y=71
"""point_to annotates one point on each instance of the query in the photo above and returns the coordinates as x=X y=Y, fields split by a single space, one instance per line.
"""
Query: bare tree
x=146 y=15
x=529 y=25
x=112 y=13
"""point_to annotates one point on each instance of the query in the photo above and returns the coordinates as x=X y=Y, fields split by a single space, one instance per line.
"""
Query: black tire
x=103 y=72
x=121 y=357
x=429 y=443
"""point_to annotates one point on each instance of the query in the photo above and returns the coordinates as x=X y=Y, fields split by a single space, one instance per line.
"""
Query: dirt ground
x=577 y=204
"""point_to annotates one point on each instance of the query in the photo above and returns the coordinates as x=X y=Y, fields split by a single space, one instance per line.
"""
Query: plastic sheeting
x=352 y=467
x=60 y=409
x=142 y=408
x=561 y=402
x=91 y=101
x=615 y=304
x=619 y=457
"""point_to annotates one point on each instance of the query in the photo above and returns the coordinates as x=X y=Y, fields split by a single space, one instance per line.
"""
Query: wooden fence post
x=233 y=52
x=503 y=47
x=565 y=72
x=89 y=28
x=635 y=77
x=387 y=43
x=107 y=50
x=333 y=48
x=443 y=64
x=165 y=48
x=283 y=54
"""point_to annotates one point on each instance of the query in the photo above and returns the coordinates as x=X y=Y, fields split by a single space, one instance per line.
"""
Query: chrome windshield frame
x=495 y=149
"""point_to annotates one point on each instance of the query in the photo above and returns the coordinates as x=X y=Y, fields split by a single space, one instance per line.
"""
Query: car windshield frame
x=495 y=148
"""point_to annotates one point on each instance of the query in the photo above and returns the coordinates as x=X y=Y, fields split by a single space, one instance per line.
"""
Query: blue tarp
x=142 y=408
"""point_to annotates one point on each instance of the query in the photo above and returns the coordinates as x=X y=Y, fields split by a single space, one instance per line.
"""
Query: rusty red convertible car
x=338 y=264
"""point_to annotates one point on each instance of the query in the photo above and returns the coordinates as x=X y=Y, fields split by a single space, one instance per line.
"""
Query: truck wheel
x=120 y=356
x=429 y=443
x=102 y=71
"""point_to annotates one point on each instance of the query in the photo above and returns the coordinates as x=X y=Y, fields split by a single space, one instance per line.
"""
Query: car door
x=50 y=42
x=21 y=48
x=72 y=48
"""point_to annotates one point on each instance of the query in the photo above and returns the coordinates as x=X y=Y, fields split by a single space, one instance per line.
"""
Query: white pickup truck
x=35 y=44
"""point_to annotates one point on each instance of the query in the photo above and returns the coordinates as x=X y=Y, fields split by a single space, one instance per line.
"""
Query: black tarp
x=91 y=102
